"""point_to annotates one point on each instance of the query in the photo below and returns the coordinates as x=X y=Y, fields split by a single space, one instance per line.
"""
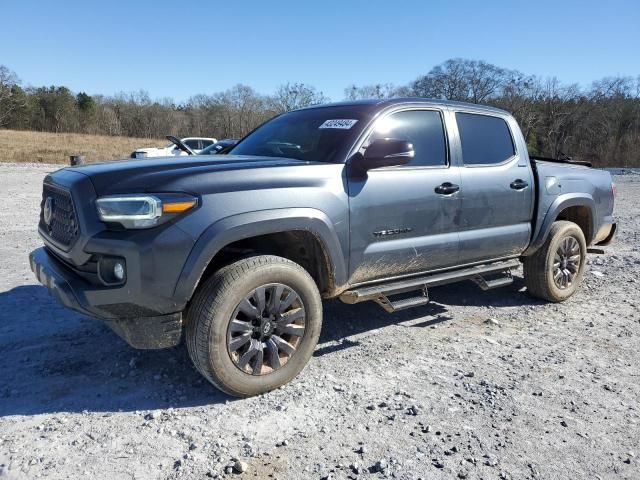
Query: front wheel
x=555 y=271
x=254 y=324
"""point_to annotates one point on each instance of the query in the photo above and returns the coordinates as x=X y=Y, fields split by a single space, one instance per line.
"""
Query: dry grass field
x=44 y=147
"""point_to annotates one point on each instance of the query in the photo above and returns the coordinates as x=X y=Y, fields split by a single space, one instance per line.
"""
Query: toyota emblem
x=47 y=212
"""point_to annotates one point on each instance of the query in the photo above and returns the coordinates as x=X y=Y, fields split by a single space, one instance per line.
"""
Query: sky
x=178 y=49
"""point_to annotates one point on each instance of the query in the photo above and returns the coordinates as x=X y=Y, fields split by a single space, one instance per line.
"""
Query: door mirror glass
x=387 y=152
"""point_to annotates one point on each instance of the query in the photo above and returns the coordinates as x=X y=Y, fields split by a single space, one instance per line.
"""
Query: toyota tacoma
x=363 y=201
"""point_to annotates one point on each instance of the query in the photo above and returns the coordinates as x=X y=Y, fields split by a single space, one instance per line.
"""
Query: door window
x=423 y=128
x=485 y=140
x=193 y=144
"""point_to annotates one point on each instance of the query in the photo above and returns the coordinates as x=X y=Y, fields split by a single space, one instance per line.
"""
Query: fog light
x=118 y=271
x=112 y=270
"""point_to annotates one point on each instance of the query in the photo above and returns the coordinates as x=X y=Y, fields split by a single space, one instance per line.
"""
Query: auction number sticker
x=344 y=124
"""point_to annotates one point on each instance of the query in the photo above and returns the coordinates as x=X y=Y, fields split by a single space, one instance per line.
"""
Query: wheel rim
x=266 y=329
x=566 y=263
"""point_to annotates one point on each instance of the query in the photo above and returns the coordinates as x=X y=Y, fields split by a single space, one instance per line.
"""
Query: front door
x=404 y=219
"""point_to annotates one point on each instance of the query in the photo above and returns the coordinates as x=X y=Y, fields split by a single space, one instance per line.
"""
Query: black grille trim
x=63 y=225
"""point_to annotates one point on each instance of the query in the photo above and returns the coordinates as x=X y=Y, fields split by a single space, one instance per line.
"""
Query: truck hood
x=166 y=173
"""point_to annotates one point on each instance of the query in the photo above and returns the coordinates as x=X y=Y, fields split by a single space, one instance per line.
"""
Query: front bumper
x=51 y=276
x=72 y=291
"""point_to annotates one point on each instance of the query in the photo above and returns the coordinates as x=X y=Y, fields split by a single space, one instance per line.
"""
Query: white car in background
x=196 y=144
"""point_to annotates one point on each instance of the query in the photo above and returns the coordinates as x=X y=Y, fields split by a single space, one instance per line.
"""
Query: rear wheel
x=254 y=324
x=555 y=271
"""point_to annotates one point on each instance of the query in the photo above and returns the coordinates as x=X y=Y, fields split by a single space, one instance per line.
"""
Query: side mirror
x=387 y=152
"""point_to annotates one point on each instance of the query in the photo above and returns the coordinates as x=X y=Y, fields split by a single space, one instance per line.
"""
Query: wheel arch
x=315 y=246
x=578 y=208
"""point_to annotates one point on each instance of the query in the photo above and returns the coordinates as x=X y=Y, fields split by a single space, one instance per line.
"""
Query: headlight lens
x=142 y=211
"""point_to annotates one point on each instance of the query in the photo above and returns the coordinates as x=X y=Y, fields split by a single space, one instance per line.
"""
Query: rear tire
x=254 y=324
x=555 y=270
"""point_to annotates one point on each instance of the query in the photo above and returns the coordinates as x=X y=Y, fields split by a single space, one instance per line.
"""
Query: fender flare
x=246 y=225
x=559 y=204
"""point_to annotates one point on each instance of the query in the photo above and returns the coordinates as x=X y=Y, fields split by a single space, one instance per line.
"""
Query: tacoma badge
x=393 y=231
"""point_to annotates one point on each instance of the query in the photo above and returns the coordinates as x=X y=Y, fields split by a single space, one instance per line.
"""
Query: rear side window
x=423 y=128
x=485 y=140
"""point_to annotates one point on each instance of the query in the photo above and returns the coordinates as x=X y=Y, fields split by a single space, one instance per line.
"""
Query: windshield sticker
x=344 y=124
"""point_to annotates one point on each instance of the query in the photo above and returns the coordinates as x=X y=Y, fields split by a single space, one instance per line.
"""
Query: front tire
x=555 y=271
x=254 y=324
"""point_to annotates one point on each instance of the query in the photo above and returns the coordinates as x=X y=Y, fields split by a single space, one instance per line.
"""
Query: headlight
x=142 y=211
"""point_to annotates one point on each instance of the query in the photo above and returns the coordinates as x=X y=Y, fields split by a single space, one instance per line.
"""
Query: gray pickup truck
x=371 y=200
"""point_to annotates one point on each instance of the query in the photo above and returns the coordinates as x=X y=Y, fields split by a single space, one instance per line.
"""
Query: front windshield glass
x=319 y=134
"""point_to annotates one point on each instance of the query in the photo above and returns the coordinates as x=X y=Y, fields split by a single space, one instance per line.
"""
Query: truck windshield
x=322 y=134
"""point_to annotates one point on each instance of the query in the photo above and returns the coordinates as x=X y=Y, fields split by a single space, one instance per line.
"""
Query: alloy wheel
x=566 y=263
x=266 y=328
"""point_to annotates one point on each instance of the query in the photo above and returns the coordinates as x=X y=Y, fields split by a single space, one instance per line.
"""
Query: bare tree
x=241 y=110
x=560 y=107
x=9 y=81
x=464 y=80
x=520 y=96
x=612 y=127
x=292 y=96
x=377 y=90
x=446 y=81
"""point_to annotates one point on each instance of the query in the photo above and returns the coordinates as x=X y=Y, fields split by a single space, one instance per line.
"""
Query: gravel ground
x=474 y=385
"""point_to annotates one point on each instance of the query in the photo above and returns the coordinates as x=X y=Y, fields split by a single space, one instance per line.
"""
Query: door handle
x=447 y=188
x=519 y=184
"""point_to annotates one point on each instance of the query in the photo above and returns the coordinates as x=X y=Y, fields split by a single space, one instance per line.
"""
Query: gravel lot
x=474 y=385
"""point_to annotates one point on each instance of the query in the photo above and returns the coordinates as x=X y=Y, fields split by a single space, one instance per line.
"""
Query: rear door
x=399 y=223
x=497 y=187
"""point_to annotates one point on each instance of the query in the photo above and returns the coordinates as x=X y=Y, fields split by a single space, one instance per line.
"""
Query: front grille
x=58 y=216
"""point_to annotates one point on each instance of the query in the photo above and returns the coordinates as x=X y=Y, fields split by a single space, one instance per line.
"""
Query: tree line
x=599 y=123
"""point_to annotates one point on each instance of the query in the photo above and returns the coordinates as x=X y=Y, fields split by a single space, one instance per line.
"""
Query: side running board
x=416 y=288
x=501 y=280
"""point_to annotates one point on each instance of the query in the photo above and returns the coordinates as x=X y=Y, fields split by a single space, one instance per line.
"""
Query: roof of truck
x=378 y=103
